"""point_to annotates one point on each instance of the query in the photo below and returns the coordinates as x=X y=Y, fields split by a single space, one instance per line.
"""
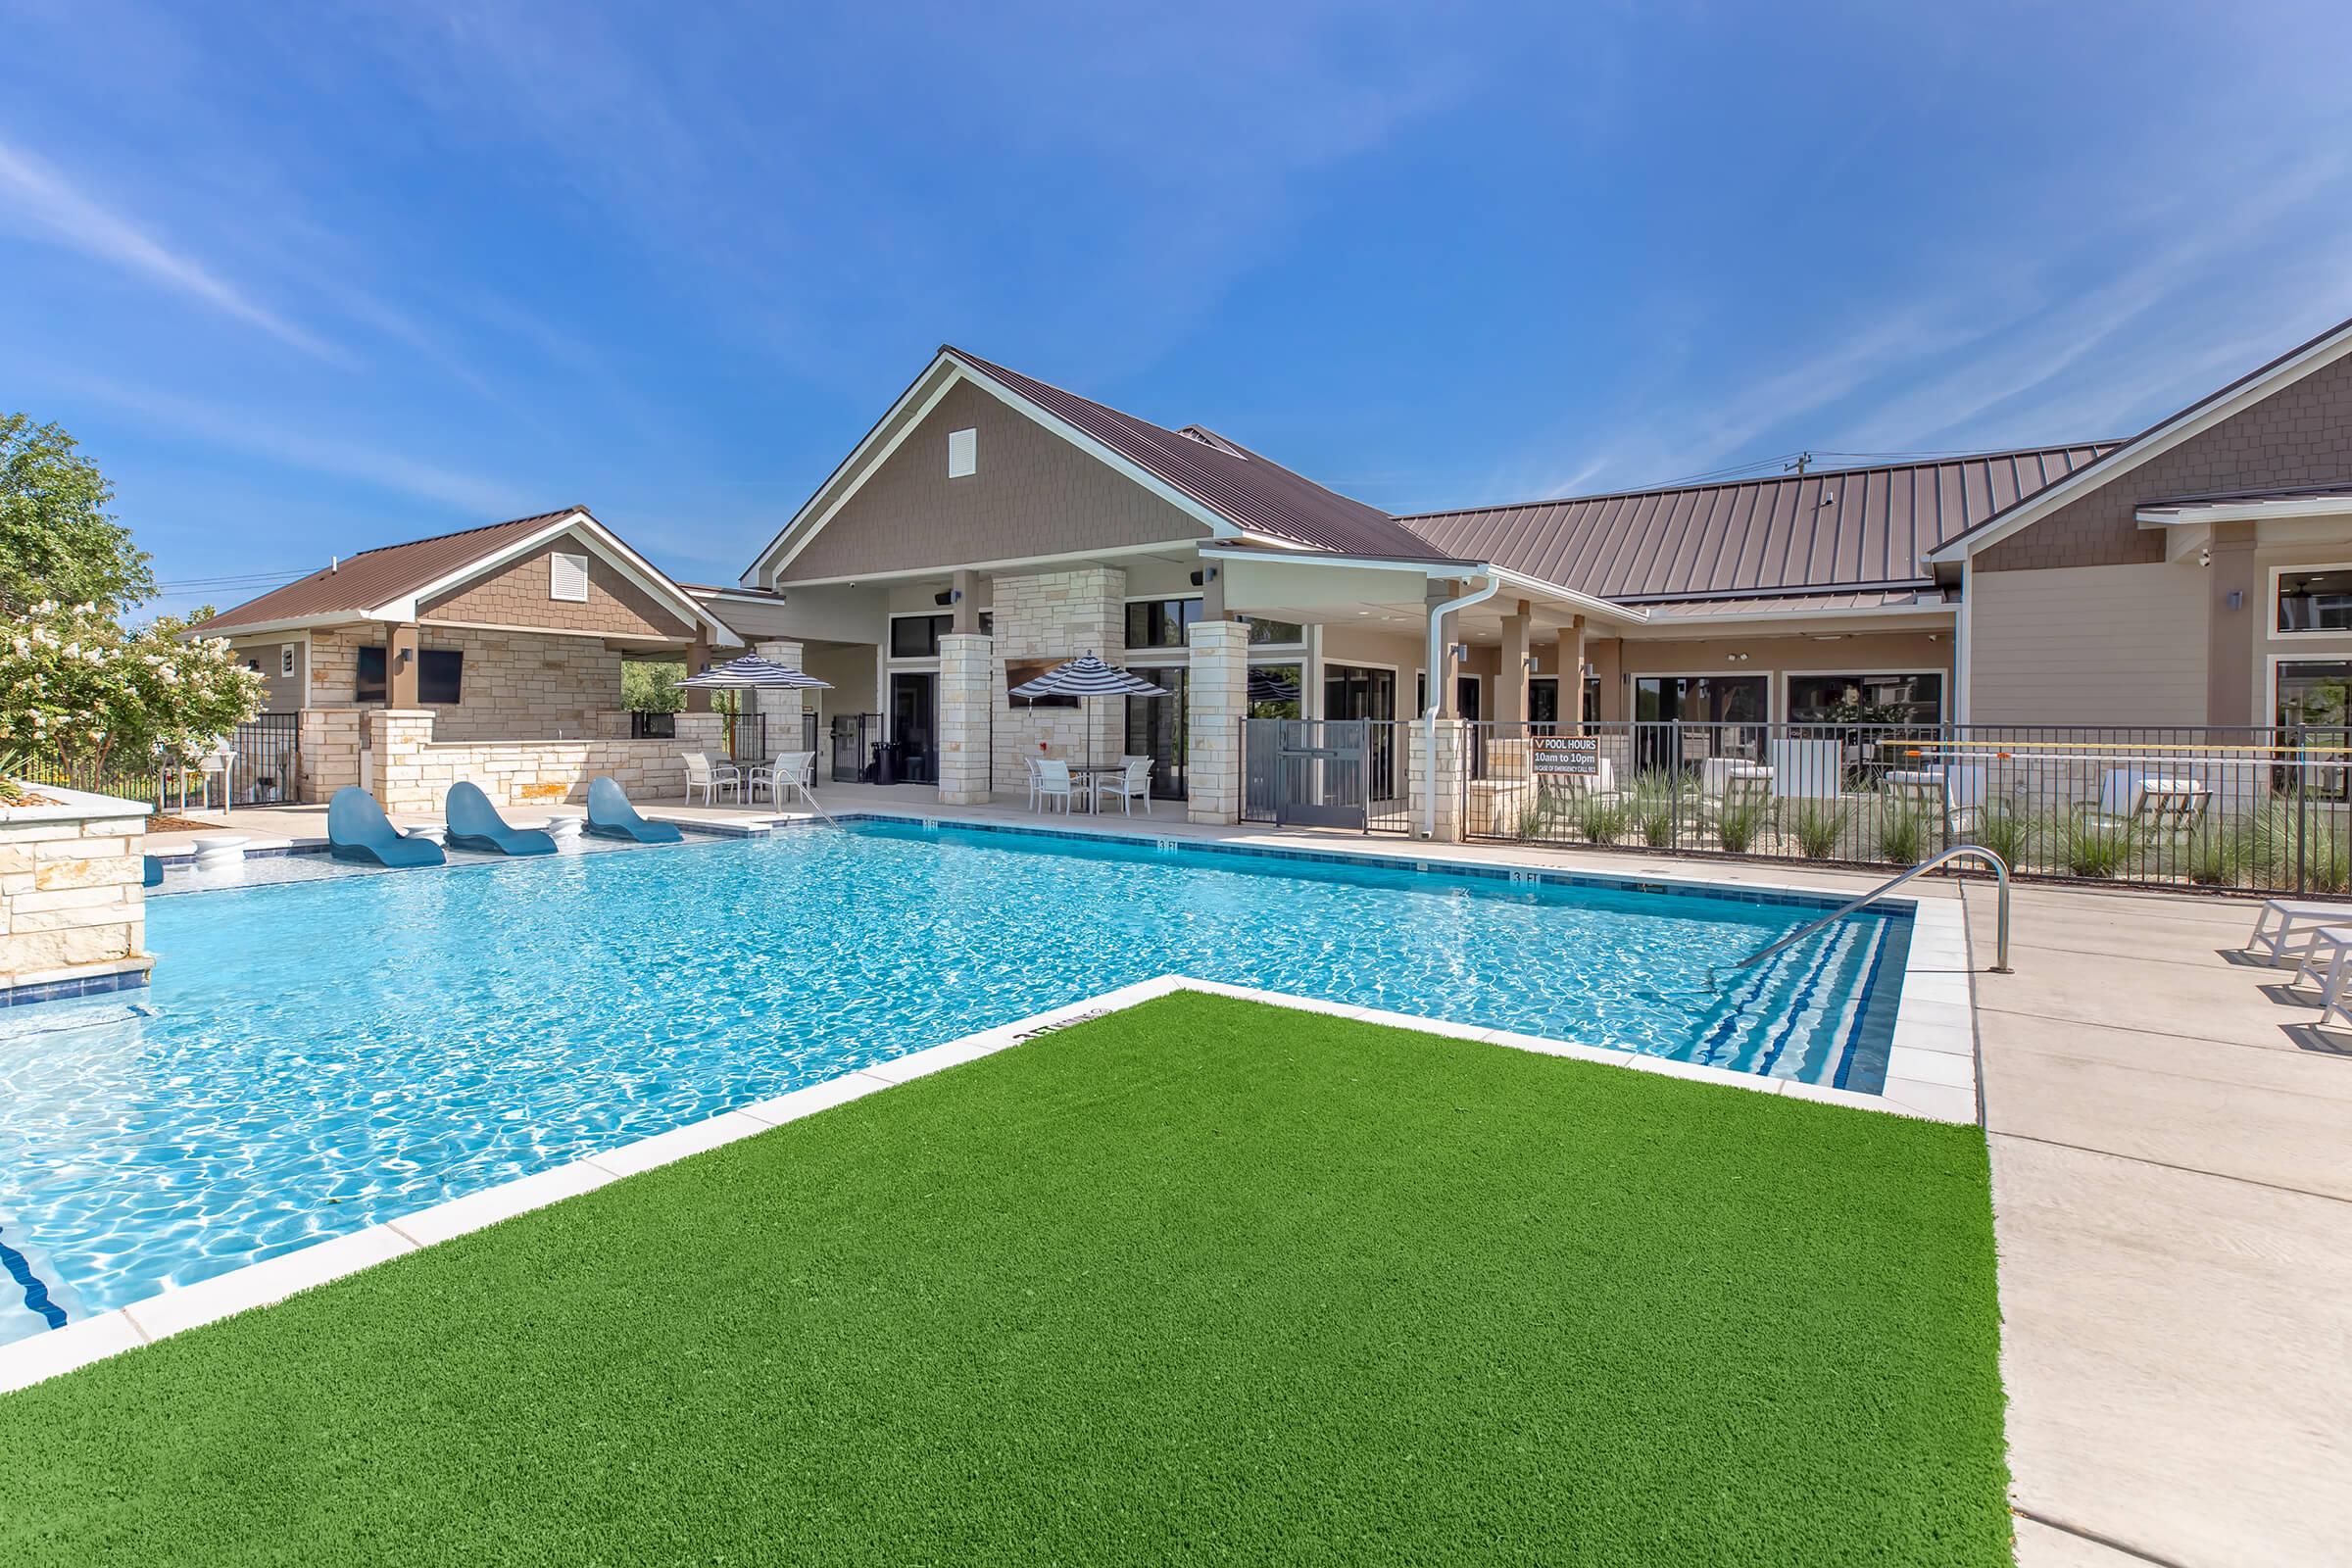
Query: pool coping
x=1930 y=1075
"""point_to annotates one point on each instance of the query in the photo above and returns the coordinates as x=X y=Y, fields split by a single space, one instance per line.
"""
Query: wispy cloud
x=49 y=200
x=264 y=436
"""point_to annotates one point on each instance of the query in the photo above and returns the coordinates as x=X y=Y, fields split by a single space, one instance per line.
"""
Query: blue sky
x=306 y=279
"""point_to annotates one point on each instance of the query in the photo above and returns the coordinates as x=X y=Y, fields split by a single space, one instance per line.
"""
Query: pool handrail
x=1975 y=852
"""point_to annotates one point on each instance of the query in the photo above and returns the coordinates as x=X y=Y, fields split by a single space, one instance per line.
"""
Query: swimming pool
x=322 y=1055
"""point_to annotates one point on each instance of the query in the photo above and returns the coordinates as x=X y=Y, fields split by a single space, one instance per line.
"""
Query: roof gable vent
x=963 y=454
x=567 y=577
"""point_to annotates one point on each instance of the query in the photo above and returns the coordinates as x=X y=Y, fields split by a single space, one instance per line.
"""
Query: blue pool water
x=322 y=1055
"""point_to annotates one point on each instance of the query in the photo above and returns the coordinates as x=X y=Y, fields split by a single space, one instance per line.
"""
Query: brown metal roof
x=376 y=577
x=1905 y=598
x=1835 y=529
x=1253 y=492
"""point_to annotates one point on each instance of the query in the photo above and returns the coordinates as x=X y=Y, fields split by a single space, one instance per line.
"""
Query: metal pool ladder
x=1958 y=851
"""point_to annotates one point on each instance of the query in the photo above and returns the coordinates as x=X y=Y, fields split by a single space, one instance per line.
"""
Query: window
x=917 y=636
x=567 y=577
x=2315 y=598
x=963 y=454
x=438 y=672
x=285 y=660
x=1275 y=631
x=1160 y=622
x=370 y=687
x=1885 y=698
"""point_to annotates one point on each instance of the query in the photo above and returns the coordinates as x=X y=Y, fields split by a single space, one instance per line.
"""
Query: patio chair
x=612 y=816
x=2286 y=927
x=356 y=829
x=2328 y=965
x=2158 y=803
x=706 y=773
x=1053 y=784
x=1807 y=769
x=794 y=771
x=474 y=824
x=1127 y=787
x=1029 y=768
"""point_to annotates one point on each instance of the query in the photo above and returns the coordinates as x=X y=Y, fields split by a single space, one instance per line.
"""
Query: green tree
x=79 y=690
x=58 y=542
x=651 y=686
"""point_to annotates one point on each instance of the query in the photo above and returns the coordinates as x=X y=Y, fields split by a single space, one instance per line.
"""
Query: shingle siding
x=1033 y=494
x=2299 y=435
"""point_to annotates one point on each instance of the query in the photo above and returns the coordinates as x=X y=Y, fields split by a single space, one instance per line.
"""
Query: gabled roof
x=383 y=584
x=1236 y=493
x=1828 y=530
x=1250 y=491
x=2165 y=435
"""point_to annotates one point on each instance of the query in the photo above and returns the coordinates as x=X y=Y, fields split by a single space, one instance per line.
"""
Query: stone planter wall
x=72 y=901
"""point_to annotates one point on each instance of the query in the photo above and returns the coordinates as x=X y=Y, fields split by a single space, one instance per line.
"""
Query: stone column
x=1440 y=789
x=72 y=899
x=398 y=737
x=781 y=710
x=966 y=689
x=329 y=747
x=1215 y=701
x=1511 y=684
x=400 y=666
x=1572 y=678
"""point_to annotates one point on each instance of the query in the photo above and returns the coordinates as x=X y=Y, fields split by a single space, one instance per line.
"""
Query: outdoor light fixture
x=2238 y=598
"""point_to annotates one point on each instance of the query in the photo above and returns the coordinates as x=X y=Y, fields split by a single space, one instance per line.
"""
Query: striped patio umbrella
x=1088 y=676
x=754 y=673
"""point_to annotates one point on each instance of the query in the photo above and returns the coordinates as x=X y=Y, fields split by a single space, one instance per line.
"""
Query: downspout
x=1436 y=696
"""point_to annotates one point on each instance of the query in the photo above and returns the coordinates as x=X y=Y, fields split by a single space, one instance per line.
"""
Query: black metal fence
x=259 y=764
x=2252 y=809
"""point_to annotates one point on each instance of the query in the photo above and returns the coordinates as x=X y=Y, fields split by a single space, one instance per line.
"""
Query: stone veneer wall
x=1216 y=698
x=517 y=685
x=72 y=899
x=414 y=772
x=1056 y=615
x=330 y=740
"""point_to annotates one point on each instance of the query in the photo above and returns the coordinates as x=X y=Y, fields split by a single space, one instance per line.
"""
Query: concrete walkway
x=2171 y=1160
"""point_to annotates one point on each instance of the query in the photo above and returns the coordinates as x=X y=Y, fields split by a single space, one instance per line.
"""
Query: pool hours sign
x=1573 y=755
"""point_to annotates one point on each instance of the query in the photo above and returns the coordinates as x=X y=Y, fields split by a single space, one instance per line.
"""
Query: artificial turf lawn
x=1203 y=1281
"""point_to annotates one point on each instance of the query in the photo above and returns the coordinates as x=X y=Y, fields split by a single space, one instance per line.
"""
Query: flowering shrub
x=78 y=688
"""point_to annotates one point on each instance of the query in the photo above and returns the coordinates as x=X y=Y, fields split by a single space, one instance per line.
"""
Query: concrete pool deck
x=2171 y=1160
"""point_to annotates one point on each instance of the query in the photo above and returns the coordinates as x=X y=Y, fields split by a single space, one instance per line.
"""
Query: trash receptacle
x=887 y=761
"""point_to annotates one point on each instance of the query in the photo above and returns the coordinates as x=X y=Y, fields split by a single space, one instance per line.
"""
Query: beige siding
x=1034 y=494
x=2087 y=645
x=285 y=692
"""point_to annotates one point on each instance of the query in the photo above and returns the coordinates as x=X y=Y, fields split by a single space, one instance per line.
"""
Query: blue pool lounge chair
x=356 y=829
x=152 y=871
x=612 y=816
x=474 y=824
